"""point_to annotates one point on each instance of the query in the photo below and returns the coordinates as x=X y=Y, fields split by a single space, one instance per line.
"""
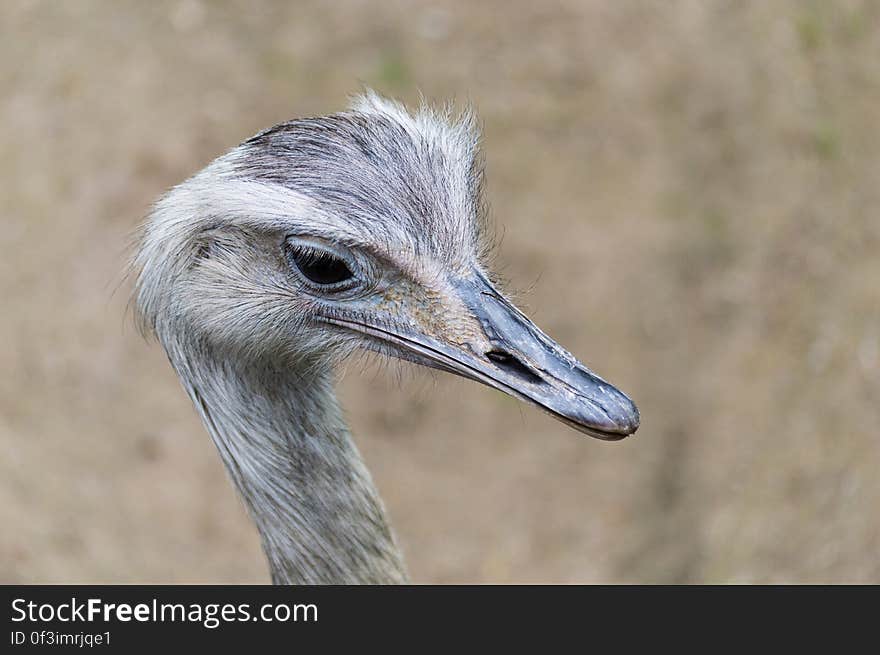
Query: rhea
x=362 y=229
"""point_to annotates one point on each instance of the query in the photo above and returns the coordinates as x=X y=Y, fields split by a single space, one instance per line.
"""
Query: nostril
x=499 y=356
x=513 y=365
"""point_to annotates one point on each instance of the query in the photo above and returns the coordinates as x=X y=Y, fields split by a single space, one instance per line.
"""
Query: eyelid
x=319 y=245
x=315 y=251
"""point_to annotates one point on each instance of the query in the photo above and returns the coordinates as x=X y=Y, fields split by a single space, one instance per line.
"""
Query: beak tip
x=630 y=418
x=633 y=419
x=622 y=420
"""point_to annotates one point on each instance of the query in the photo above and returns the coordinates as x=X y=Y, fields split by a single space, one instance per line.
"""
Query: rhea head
x=360 y=229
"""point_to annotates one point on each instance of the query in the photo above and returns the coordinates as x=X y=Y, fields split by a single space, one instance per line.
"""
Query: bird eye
x=319 y=266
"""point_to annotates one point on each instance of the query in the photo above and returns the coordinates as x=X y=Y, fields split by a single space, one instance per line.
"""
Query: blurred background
x=688 y=195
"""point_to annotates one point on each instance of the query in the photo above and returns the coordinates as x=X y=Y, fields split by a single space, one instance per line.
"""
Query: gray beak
x=524 y=362
x=515 y=357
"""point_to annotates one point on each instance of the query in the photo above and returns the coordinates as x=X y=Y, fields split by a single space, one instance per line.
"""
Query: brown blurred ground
x=688 y=191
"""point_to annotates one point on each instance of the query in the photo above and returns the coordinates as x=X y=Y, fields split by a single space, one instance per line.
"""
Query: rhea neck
x=285 y=444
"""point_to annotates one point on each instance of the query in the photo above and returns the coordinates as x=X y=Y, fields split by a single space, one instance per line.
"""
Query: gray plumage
x=363 y=229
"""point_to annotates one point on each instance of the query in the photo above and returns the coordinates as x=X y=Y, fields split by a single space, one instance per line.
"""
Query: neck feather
x=282 y=438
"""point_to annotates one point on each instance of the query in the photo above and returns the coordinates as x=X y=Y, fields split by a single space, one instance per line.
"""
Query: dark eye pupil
x=320 y=267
